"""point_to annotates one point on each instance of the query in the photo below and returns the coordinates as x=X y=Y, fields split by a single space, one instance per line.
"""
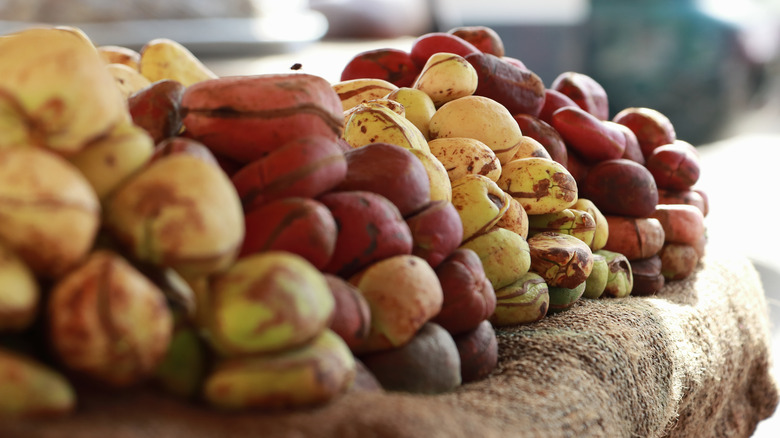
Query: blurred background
x=711 y=66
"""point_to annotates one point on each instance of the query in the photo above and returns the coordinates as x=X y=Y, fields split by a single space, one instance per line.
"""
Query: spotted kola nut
x=596 y=282
x=181 y=212
x=530 y=148
x=108 y=292
x=446 y=77
x=439 y=181
x=540 y=185
x=268 y=302
x=418 y=106
x=634 y=237
x=403 y=293
x=378 y=124
x=32 y=390
x=463 y=156
x=504 y=254
x=49 y=213
x=19 y=292
x=562 y=260
x=620 y=280
x=245 y=117
x=601 y=234
x=63 y=93
x=353 y=92
x=678 y=261
x=374 y=103
x=480 y=203
x=647 y=276
x=562 y=298
x=128 y=80
x=577 y=223
x=309 y=375
x=651 y=127
x=522 y=302
x=621 y=187
x=470 y=116
x=585 y=91
x=515 y=219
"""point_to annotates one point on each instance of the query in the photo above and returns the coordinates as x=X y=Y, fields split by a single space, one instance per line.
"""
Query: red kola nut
x=436 y=42
x=585 y=91
x=484 y=38
x=674 y=167
x=351 y=315
x=302 y=226
x=593 y=139
x=682 y=223
x=157 y=109
x=633 y=151
x=478 y=350
x=437 y=231
x=392 y=65
x=634 y=237
x=553 y=101
x=651 y=127
x=621 y=187
x=545 y=134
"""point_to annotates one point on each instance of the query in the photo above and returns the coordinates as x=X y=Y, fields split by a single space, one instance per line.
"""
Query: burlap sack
x=693 y=361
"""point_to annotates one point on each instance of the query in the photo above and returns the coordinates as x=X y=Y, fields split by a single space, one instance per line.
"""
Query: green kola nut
x=268 y=302
x=620 y=280
x=522 y=302
x=601 y=234
x=308 y=375
x=504 y=255
x=19 y=292
x=184 y=367
x=577 y=223
x=562 y=298
x=540 y=185
x=597 y=280
x=30 y=389
x=480 y=203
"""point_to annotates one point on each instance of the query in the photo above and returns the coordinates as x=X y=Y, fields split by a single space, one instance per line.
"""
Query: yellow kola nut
x=446 y=77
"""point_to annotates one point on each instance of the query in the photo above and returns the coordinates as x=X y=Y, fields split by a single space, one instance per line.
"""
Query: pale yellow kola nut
x=529 y=147
x=441 y=188
x=163 y=58
x=383 y=102
x=19 y=292
x=60 y=86
x=515 y=219
x=355 y=91
x=418 y=105
x=446 y=77
x=480 y=118
x=128 y=80
x=379 y=124
x=462 y=156
x=112 y=54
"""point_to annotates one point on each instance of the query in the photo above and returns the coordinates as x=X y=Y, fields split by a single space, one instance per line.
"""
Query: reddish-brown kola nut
x=437 y=42
x=305 y=167
x=486 y=39
x=651 y=127
x=392 y=65
x=593 y=139
x=585 y=91
x=682 y=223
x=157 y=109
x=553 y=101
x=246 y=117
x=545 y=134
x=678 y=261
x=302 y=226
x=520 y=91
x=648 y=279
x=621 y=187
x=634 y=237
x=478 y=351
x=674 y=166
